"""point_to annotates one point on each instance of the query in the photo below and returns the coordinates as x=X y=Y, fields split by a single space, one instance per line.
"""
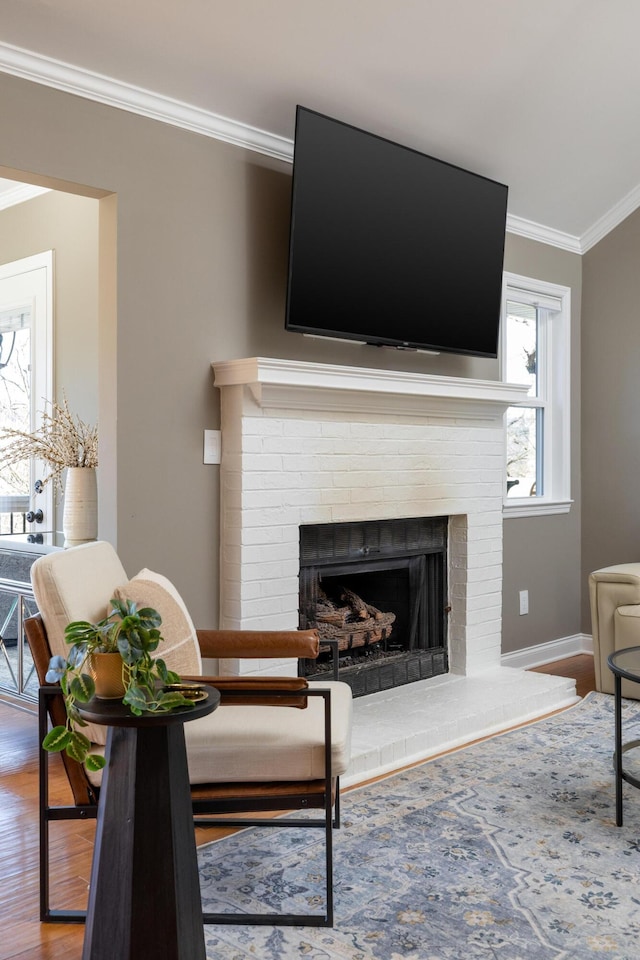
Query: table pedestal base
x=144 y=898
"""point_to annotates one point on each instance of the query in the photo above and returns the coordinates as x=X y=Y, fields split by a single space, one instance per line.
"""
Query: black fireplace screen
x=378 y=588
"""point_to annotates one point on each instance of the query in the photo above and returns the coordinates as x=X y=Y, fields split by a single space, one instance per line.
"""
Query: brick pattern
x=284 y=468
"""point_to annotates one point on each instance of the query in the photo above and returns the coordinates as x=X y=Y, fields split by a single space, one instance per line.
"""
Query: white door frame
x=30 y=280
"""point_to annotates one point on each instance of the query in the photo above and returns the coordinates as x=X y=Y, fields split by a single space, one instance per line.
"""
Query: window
x=535 y=351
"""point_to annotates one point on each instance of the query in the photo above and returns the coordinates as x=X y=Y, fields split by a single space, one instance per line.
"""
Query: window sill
x=532 y=507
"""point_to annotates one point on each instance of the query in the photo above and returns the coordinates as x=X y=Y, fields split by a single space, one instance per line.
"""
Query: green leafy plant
x=134 y=635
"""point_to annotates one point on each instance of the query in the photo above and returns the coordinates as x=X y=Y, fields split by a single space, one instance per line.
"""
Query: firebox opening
x=378 y=588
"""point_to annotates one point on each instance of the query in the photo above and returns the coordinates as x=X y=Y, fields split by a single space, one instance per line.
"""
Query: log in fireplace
x=378 y=588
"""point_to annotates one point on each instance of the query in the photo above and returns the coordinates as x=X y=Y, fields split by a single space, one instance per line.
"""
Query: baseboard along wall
x=538 y=655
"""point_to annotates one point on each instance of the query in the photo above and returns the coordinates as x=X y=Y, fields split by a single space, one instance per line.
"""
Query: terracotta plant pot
x=106 y=671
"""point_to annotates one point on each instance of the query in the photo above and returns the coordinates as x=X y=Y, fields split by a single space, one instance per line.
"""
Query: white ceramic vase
x=80 y=515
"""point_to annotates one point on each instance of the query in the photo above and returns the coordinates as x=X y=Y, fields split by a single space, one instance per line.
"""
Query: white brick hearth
x=308 y=443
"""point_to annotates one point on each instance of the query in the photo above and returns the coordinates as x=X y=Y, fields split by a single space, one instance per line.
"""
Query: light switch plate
x=212 y=446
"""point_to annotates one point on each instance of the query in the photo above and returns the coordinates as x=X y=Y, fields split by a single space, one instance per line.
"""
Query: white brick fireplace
x=306 y=443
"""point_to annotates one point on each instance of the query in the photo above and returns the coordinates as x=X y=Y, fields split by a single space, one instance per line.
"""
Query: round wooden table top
x=113 y=713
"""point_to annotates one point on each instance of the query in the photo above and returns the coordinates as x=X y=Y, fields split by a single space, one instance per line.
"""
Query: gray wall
x=201 y=261
x=611 y=402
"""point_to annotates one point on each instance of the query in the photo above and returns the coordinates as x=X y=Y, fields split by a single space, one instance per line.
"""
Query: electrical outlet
x=524 y=602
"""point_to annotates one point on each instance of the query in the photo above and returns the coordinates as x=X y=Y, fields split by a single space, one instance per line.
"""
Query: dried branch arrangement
x=61 y=441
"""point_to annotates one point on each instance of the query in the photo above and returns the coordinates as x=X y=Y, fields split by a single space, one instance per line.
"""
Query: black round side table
x=144 y=897
x=624 y=664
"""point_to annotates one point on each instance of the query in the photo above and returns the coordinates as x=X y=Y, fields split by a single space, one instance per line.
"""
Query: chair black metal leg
x=303 y=920
x=328 y=846
x=46 y=814
x=285 y=919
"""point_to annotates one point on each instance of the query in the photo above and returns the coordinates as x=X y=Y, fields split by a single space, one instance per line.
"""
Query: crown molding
x=619 y=212
x=125 y=96
x=537 y=231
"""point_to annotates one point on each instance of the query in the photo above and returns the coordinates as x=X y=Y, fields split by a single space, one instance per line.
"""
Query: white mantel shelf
x=294 y=384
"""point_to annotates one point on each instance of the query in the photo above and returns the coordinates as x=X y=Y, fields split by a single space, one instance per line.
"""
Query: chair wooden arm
x=51 y=702
x=252 y=644
x=257 y=690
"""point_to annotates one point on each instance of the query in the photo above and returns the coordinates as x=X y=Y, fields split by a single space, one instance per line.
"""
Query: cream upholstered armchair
x=614 y=594
x=275 y=743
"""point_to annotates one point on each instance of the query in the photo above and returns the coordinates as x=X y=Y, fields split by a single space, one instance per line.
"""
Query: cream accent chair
x=614 y=594
x=275 y=743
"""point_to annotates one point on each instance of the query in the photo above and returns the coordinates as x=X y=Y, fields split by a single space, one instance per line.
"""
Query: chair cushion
x=75 y=584
x=265 y=744
x=246 y=743
x=179 y=648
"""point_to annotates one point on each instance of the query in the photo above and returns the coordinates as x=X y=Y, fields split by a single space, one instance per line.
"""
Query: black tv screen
x=391 y=246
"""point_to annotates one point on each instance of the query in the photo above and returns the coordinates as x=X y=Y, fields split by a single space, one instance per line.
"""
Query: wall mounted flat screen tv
x=391 y=246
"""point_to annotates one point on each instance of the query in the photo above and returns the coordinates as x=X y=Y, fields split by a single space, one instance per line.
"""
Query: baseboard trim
x=543 y=653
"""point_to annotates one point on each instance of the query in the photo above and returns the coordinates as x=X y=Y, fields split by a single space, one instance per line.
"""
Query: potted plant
x=130 y=635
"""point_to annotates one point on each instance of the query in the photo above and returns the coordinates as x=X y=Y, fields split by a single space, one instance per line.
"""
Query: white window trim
x=557 y=374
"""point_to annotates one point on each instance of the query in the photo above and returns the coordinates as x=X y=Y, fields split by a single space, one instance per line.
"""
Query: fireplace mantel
x=296 y=385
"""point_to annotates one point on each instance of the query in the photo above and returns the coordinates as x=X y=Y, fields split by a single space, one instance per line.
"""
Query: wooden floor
x=21 y=934
x=579 y=669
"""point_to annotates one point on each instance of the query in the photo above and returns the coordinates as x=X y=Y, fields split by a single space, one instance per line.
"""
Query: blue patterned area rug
x=506 y=849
